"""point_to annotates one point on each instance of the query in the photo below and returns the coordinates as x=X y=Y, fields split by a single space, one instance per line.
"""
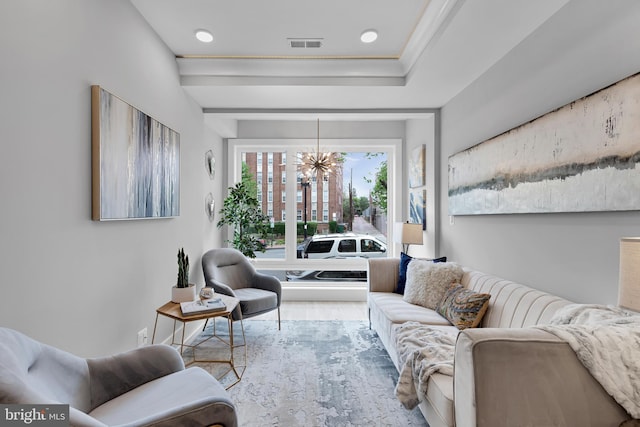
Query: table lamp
x=408 y=234
x=629 y=285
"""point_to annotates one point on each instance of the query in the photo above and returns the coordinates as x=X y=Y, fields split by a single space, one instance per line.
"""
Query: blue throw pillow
x=402 y=274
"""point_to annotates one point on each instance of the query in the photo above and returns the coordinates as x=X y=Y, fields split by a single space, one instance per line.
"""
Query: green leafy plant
x=183 y=269
x=241 y=211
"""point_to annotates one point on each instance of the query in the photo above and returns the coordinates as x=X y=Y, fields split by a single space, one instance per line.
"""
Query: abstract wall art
x=584 y=156
x=135 y=162
x=418 y=207
x=416 y=166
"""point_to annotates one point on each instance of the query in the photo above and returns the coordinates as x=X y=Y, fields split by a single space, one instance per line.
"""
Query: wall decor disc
x=210 y=207
x=210 y=164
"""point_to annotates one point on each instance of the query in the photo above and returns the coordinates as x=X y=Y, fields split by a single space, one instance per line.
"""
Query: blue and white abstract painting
x=139 y=162
x=584 y=156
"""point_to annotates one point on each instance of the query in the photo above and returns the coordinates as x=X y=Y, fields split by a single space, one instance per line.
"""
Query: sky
x=361 y=168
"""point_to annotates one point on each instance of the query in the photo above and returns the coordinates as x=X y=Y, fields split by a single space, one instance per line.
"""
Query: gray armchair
x=143 y=387
x=229 y=272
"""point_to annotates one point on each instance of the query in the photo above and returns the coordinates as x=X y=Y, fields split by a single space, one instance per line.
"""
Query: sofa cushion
x=463 y=307
x=402 y=271
x=440 y=397
x=396 y=310
x=427 y=281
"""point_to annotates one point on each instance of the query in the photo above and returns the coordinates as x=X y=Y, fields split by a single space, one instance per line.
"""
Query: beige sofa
x=505 y=373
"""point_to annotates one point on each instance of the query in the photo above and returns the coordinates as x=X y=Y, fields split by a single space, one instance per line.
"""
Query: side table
x=172 y=311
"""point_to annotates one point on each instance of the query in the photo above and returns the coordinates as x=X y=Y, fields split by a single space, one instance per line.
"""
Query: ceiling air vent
x=305 y=43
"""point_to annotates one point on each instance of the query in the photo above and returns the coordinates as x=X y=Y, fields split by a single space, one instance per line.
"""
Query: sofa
x=505 y=373
x=142 y=387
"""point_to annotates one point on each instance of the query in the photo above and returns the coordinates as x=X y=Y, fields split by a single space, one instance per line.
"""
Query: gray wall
x=267 y=129
x=588 y=45
x=86 y=286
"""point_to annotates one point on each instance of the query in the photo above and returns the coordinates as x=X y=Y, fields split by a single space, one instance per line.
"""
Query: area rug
x=311 y=373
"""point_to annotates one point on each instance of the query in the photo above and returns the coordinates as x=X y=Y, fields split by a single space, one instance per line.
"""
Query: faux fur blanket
x=422 y=351
x=606 y=339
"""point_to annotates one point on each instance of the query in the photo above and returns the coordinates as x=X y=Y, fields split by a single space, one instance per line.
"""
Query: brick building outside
x=323 y=194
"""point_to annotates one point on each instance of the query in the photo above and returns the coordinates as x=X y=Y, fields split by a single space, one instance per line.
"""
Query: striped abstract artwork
x=136 y=162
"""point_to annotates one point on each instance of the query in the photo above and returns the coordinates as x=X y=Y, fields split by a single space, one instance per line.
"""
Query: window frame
x=393 y=147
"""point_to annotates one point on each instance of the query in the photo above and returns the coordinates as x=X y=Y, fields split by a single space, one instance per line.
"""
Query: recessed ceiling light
x=369 y=36
x=204 y=36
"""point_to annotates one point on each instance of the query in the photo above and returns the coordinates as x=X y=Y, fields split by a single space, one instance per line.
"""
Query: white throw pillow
x=427 y=282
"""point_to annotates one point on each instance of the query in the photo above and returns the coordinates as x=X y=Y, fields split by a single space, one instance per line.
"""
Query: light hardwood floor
x=319 y=310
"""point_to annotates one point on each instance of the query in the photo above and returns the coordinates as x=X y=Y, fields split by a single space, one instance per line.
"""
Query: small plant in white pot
x=183 y=291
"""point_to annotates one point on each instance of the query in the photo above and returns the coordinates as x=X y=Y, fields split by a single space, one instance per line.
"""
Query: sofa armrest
x=382 y=274
x=115 y=375
x=525 y=377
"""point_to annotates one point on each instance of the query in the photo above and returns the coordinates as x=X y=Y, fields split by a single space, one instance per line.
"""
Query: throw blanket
x=606 y=339
x=422 y=351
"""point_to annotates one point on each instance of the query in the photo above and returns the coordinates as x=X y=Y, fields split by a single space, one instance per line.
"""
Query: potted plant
x=241 y=210
x=183 y=290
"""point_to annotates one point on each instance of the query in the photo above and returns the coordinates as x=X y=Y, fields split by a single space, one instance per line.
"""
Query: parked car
x=301 y=246
x=328 y=275
x=342 y=246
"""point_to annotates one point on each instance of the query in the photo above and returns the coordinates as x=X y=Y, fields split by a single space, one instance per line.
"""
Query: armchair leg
x=278 y=318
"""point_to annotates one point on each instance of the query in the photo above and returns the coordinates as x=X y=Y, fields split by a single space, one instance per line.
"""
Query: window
x=370 y=245
x=326 y=201
x=347 y=245
x=319 y=247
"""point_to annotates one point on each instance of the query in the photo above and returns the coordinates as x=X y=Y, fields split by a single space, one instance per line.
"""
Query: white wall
x=588 y=45
x=87 y=286
x=422 y=132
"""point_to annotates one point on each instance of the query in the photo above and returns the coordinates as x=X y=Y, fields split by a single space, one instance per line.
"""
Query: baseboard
x=324 y=293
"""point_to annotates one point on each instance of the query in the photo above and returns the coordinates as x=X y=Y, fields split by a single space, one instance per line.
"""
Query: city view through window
x=338 y=215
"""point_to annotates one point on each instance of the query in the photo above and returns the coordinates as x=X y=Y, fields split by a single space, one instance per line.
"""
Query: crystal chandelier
x=318 y=163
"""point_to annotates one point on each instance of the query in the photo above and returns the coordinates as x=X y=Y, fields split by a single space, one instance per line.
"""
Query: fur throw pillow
x=427 y=282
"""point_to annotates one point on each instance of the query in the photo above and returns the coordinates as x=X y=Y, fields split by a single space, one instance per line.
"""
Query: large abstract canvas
x=135 y=162
x=584 y=156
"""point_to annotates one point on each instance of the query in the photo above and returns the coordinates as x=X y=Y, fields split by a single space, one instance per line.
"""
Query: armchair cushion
x=198 y=401
x=256 y=301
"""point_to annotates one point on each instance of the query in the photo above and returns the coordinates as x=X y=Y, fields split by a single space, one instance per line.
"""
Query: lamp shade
x=408 y=234
x=629 y=286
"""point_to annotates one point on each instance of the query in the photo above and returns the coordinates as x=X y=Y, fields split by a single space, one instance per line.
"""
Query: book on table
x=199 y=307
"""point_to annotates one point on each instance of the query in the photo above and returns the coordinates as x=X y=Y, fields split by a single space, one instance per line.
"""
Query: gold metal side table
x=172 y=311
